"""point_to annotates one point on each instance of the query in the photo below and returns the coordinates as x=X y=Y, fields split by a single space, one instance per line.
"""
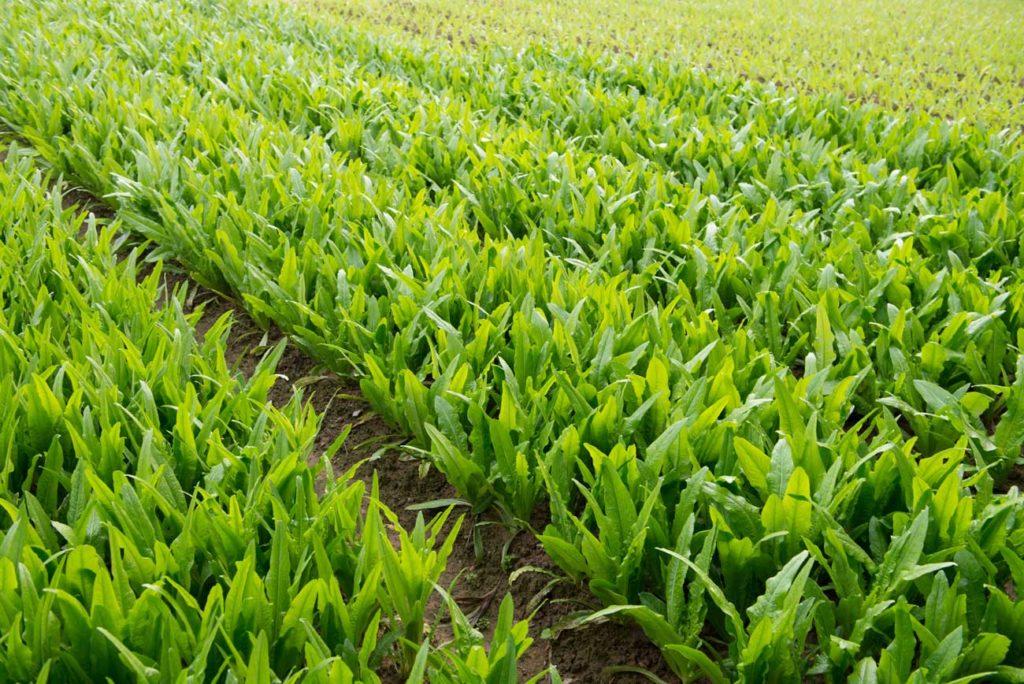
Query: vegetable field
x=953 y=59
x=735 y=365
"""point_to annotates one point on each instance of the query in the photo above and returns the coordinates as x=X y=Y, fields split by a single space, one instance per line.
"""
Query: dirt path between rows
x=487 y=561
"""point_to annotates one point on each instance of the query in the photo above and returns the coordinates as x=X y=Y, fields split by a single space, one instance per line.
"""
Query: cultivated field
x=957 y=60
x=380 y=342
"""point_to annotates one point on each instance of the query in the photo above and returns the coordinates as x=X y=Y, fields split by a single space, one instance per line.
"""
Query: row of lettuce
x=757 y=354
x=160 y=517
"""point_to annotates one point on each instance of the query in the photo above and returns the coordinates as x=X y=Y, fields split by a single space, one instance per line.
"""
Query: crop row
x=757 y=354
x=160 y=517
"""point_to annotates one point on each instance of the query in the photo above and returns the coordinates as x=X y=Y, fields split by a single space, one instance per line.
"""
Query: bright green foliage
x=952 y=58
x=759 y=353
x=469 y=660
x=160 y=521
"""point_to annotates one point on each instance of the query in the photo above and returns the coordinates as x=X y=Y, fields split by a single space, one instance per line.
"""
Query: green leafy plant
x=755 y=352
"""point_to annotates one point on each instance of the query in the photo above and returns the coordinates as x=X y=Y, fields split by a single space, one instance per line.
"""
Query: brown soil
x=77 y=198
x=1013 y=478
x=485 y=555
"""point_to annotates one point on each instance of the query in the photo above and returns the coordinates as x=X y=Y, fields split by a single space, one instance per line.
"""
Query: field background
x=957 y=60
